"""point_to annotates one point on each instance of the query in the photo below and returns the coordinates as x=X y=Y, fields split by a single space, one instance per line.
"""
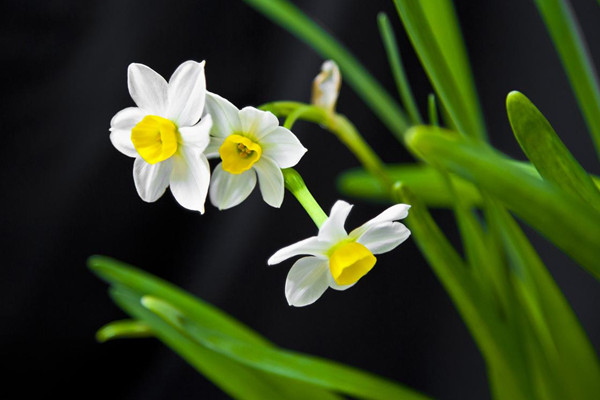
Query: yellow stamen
x=349 y=262
x=155 y=138
x=239 y=153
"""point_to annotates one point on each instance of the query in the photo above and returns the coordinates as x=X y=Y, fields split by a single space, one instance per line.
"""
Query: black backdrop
x=67 y=193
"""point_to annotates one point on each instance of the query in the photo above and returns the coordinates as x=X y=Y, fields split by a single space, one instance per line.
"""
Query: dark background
x=67 y=193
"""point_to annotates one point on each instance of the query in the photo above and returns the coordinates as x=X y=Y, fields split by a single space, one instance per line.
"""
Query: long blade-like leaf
x=546 y=151
x=424 y=181
x=471 y=300
x=119 y=273
x=330 y=374
x=563 y=218
x=435 y=34
x=304 y=368
x=291 y=18
x=569 y=42
x=566 y=348
x=237 y=380
x=393 y=53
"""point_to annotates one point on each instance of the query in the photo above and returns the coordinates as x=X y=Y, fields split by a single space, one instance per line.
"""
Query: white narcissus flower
x=250 y=143
x=338 y=259
x=165 y=133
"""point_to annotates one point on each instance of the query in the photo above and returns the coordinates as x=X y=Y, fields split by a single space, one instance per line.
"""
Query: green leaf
x=432 y=110
x=485 y=263
x=296 y=22
x=473 y=301
x=435 y=34
x=423 y=180
x=119 y=273
x=123 y=329
x=546 y=151
x=572 y=49
x=236 y=380
x=393 y=53
x=563 y=218
x=304 y=368
x=179 y=309
x=571 y=360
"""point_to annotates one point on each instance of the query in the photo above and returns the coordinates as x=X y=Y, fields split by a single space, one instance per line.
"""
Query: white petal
x=311 y=246
x=306 y=281
x=151 y=180
x=393 y=213
x=187 y=92
x=190 y=178
x=127 y=118
x=121 y=139
x=228 y=190
x=384 y=237
x=334 y=285
x=333 y=228
x=224 y=115
x=282 y=146
x=147 y=88
x=212 y=151
x=197 y=136
x=270 y=180
x=257 y=123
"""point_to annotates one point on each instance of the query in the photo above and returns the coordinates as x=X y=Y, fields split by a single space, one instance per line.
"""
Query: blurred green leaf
x=119 y=273
x=570 y=44
x=546 y=151
x=296 y=22
x=393 y=53
x=236 y=380
x=499 y=347
x=304 y=368
x=123 y=329
x=422 y=179
x=485 y=261
x=432 y=110
x=180 y=311
x=564 y=219
x=435 y=34
x=565 y=348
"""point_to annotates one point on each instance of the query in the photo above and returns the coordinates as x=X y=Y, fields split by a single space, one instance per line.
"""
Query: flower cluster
x=178 y=125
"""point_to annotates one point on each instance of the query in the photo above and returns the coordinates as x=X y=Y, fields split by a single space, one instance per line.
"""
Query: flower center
x=349 y=262
x=239 y=153
x=155 y=138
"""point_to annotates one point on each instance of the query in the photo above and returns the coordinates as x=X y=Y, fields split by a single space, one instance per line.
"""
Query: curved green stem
x=337 y=124
x=294 y=115
x=295 y=184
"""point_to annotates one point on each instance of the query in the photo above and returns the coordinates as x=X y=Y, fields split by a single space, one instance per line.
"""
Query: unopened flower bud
x=326 y=86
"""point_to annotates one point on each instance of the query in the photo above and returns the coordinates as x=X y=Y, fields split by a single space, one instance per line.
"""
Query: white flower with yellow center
x=165 y=134
x=338 y=259
x=250 y=143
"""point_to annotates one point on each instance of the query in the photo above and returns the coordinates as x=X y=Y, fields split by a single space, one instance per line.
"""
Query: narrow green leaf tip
x=546 y=151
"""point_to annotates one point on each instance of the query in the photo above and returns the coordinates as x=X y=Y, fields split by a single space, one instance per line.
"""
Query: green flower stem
x=294 y=115
x=295 y=184
x=337 y=124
